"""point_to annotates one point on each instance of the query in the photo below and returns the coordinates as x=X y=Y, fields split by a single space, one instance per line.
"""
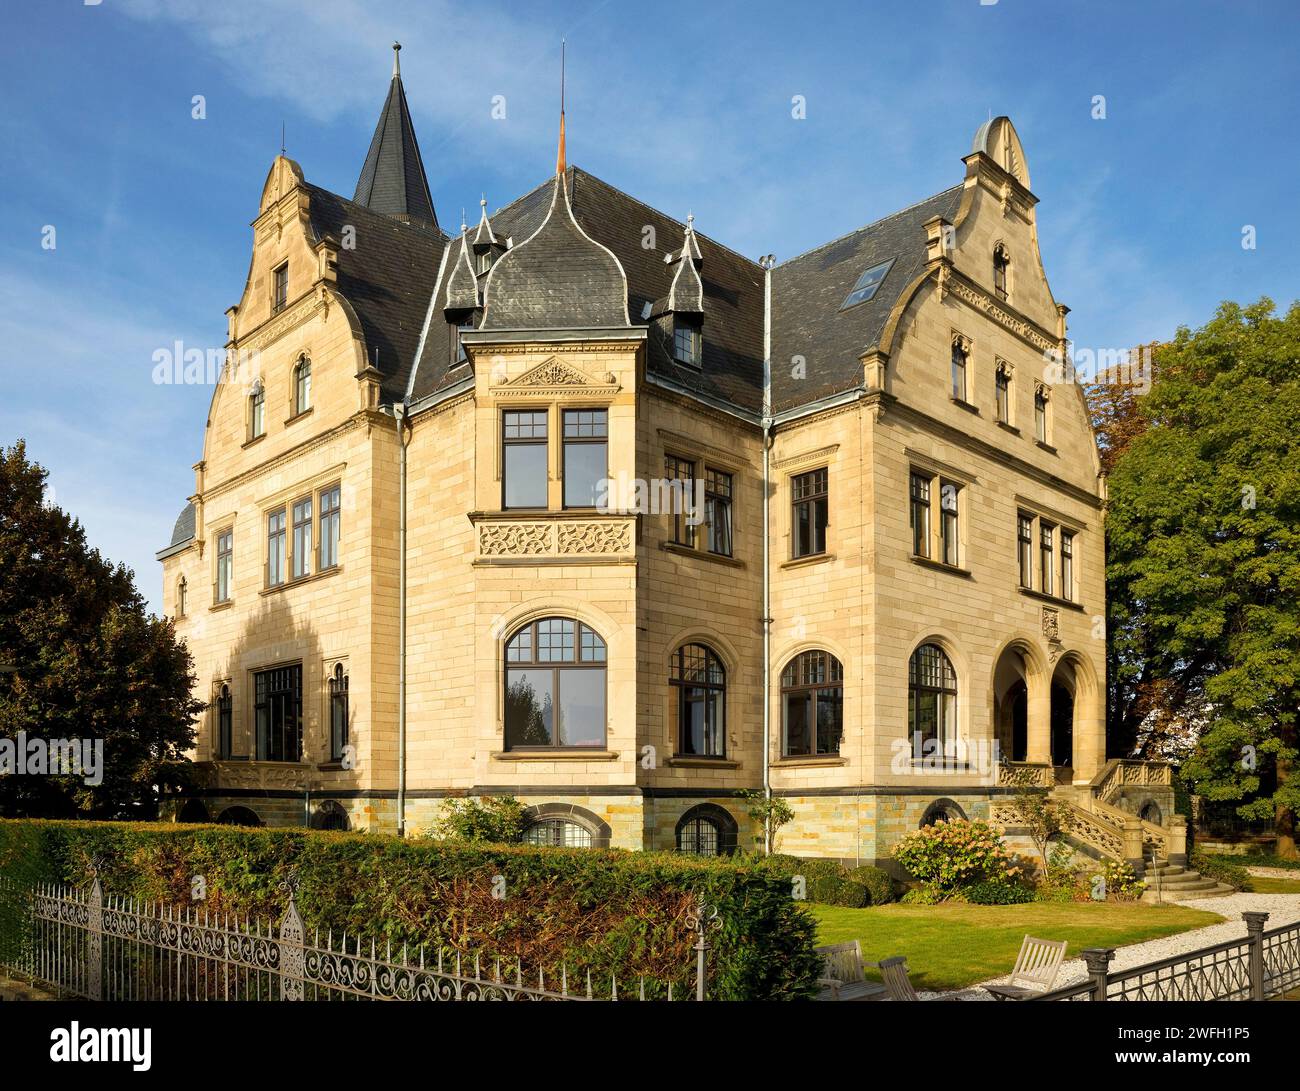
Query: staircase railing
x=1120 y=773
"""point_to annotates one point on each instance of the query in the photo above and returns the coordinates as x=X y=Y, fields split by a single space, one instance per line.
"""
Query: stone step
x=1217 y=890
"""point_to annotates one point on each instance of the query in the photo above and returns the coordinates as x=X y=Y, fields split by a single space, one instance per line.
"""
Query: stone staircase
x=1168 y=882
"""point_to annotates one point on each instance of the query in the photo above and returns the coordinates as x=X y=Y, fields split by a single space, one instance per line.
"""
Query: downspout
x=767 y=263
x=399 y=413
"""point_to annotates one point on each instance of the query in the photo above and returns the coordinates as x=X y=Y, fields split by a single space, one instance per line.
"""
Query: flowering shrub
x=950 y=855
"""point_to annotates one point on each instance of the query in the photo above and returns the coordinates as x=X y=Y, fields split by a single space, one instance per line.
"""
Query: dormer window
x=301 y=386
x=1001 y=262
x=867 y=284
x=458 y=353
x=483 y=262
x=280 y=288
x=688 y=343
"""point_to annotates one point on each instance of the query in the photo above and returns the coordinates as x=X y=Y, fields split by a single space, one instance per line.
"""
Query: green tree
x=1042 y=816
x=1203 y=543
x=82 y=659
x=770 y=813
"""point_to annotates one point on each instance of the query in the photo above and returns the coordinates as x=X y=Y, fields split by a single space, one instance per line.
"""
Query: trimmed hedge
x=1221 y=869
x=879 y=884
x=829 y=882
x=603 y=910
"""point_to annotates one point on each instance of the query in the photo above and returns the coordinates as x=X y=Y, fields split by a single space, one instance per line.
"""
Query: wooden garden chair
x=893 y=972
x=842 y=977
x=1036 y=969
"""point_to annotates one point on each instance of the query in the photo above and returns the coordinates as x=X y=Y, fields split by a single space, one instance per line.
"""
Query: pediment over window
x=555 y=373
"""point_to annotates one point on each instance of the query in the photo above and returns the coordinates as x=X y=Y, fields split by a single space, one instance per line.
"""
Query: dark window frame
x=1001 y=267
x=330 y=527
x=301 y=386
x=558 y=667
x=719 y=496
x=277 y=713
x=688 y=684
x=960 y=368
x=919 y=513
x=300 y=559
x=949 y=523
x=225 y=740
x=1047 y=556
x=1041 y=410
x=683 y=533
x=1002 y=393
x=1067 y=564
x=688 y=342
x=279 y=287
x=277 y=535
x=812 y=672
x=531 y=440
x=339 y=711
x=599 y=437
x=809 y=492
x=1025 y=548
x=225 y=565
x=919 y=685
x=257 y=411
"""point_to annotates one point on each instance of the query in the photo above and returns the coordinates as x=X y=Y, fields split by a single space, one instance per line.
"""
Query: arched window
x=931 y=701
x=238 y=816
x=555 y=686
x=960 y=358
x=561 y=832
x=225 y=722
x=330 y=816
x=1002 y=392
x=700 y=684
x=812 y=705
x=941 y=811
x=707 y=830
x=257 y=411
x=1001 y=263
x=338 y=712
x=182 y=588
x=1040 y=413
x=302 y=386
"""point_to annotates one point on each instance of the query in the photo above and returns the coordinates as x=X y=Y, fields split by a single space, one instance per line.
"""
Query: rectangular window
x=338 y=685
x=225 y=564
x=302 y=538
x=278 y=713
x=1002 y=394
x=275 y=548
x=1045 y=548
x=281 y=288
x=717 y=510
x=809 y=495
x=525 y=474
x=302 y=386
x=1067 y=565
x=1025 y=548
x=586 y=456
x=329 y=528
x=949 y=529
x=680 y=475
x=920 y=515
x=688 y=344
x=1040 y=414
x=225 y=723
x=257 y=413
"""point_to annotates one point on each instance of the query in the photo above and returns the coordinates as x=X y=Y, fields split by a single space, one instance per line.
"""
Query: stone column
x=1089 y=745
x=1038 y=726
x=1178 y=840
x=1134 y=851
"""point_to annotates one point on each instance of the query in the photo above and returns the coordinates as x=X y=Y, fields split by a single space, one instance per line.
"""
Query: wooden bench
x=842 y=977
x=1036 y=969
x=893 y=971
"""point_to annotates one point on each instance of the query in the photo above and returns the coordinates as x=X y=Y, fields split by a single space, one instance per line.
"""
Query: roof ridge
x=419 y=225
x=873 y=223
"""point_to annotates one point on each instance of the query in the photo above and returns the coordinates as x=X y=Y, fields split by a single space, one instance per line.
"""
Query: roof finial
x=397 y=63
x=560 y=164
x=463 y=227
x=281 y=137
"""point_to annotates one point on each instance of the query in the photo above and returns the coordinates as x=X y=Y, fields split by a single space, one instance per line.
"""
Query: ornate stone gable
x=557 y=376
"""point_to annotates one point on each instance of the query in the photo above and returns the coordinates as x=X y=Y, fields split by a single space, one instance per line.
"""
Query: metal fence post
x=291 y=953
x=702 y=917
x=95 y=942
x=1255 y=933
x=1097 y=960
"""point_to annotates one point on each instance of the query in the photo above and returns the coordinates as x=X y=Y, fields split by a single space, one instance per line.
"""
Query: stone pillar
x=1089 y=746
x=1133 y=848
x=1178 y=840
x=1097 y=959
x=1038 y=727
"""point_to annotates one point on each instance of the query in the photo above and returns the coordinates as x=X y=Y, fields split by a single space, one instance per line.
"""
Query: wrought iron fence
x=107 y=947
x=1260 y=966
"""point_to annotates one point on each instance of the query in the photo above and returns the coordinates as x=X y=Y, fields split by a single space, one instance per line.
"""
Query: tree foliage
x=82 y=659
x=1203 y=571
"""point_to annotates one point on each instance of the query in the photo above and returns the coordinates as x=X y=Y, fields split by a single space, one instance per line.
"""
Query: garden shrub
x=921 y=895
x=493 y=819
x=879 y=884
x=997 y=892
x=950 y=855
x=1219 y=868
x=596 y=909
x=827 y=882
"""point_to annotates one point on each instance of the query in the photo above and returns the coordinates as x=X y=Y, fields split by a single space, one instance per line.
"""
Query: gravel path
x=1281 y=909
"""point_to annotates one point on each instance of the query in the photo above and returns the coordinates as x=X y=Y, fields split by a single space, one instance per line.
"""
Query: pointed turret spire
x=560 y=164
x=392 y=181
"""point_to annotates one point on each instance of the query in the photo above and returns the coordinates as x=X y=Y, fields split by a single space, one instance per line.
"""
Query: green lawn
x=1260 y=884
x=952 y=946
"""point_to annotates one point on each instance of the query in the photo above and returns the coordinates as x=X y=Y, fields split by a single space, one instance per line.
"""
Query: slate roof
x=556 y=278
x=808 y=291
x=388 y=279
x=182 y=532
x=392 y=180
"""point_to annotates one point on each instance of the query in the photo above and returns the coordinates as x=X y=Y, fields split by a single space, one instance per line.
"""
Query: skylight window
x=867 y=284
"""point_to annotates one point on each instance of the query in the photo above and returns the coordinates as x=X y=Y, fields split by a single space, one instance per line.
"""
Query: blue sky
x=685 y=105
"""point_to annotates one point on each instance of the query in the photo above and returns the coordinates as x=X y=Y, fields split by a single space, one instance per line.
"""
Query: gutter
x=767 y=263
x=399 y=415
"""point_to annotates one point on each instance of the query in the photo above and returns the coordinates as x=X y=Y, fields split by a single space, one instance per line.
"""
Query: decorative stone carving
x=514 y=539
x=595 y=537
x=991 y=307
